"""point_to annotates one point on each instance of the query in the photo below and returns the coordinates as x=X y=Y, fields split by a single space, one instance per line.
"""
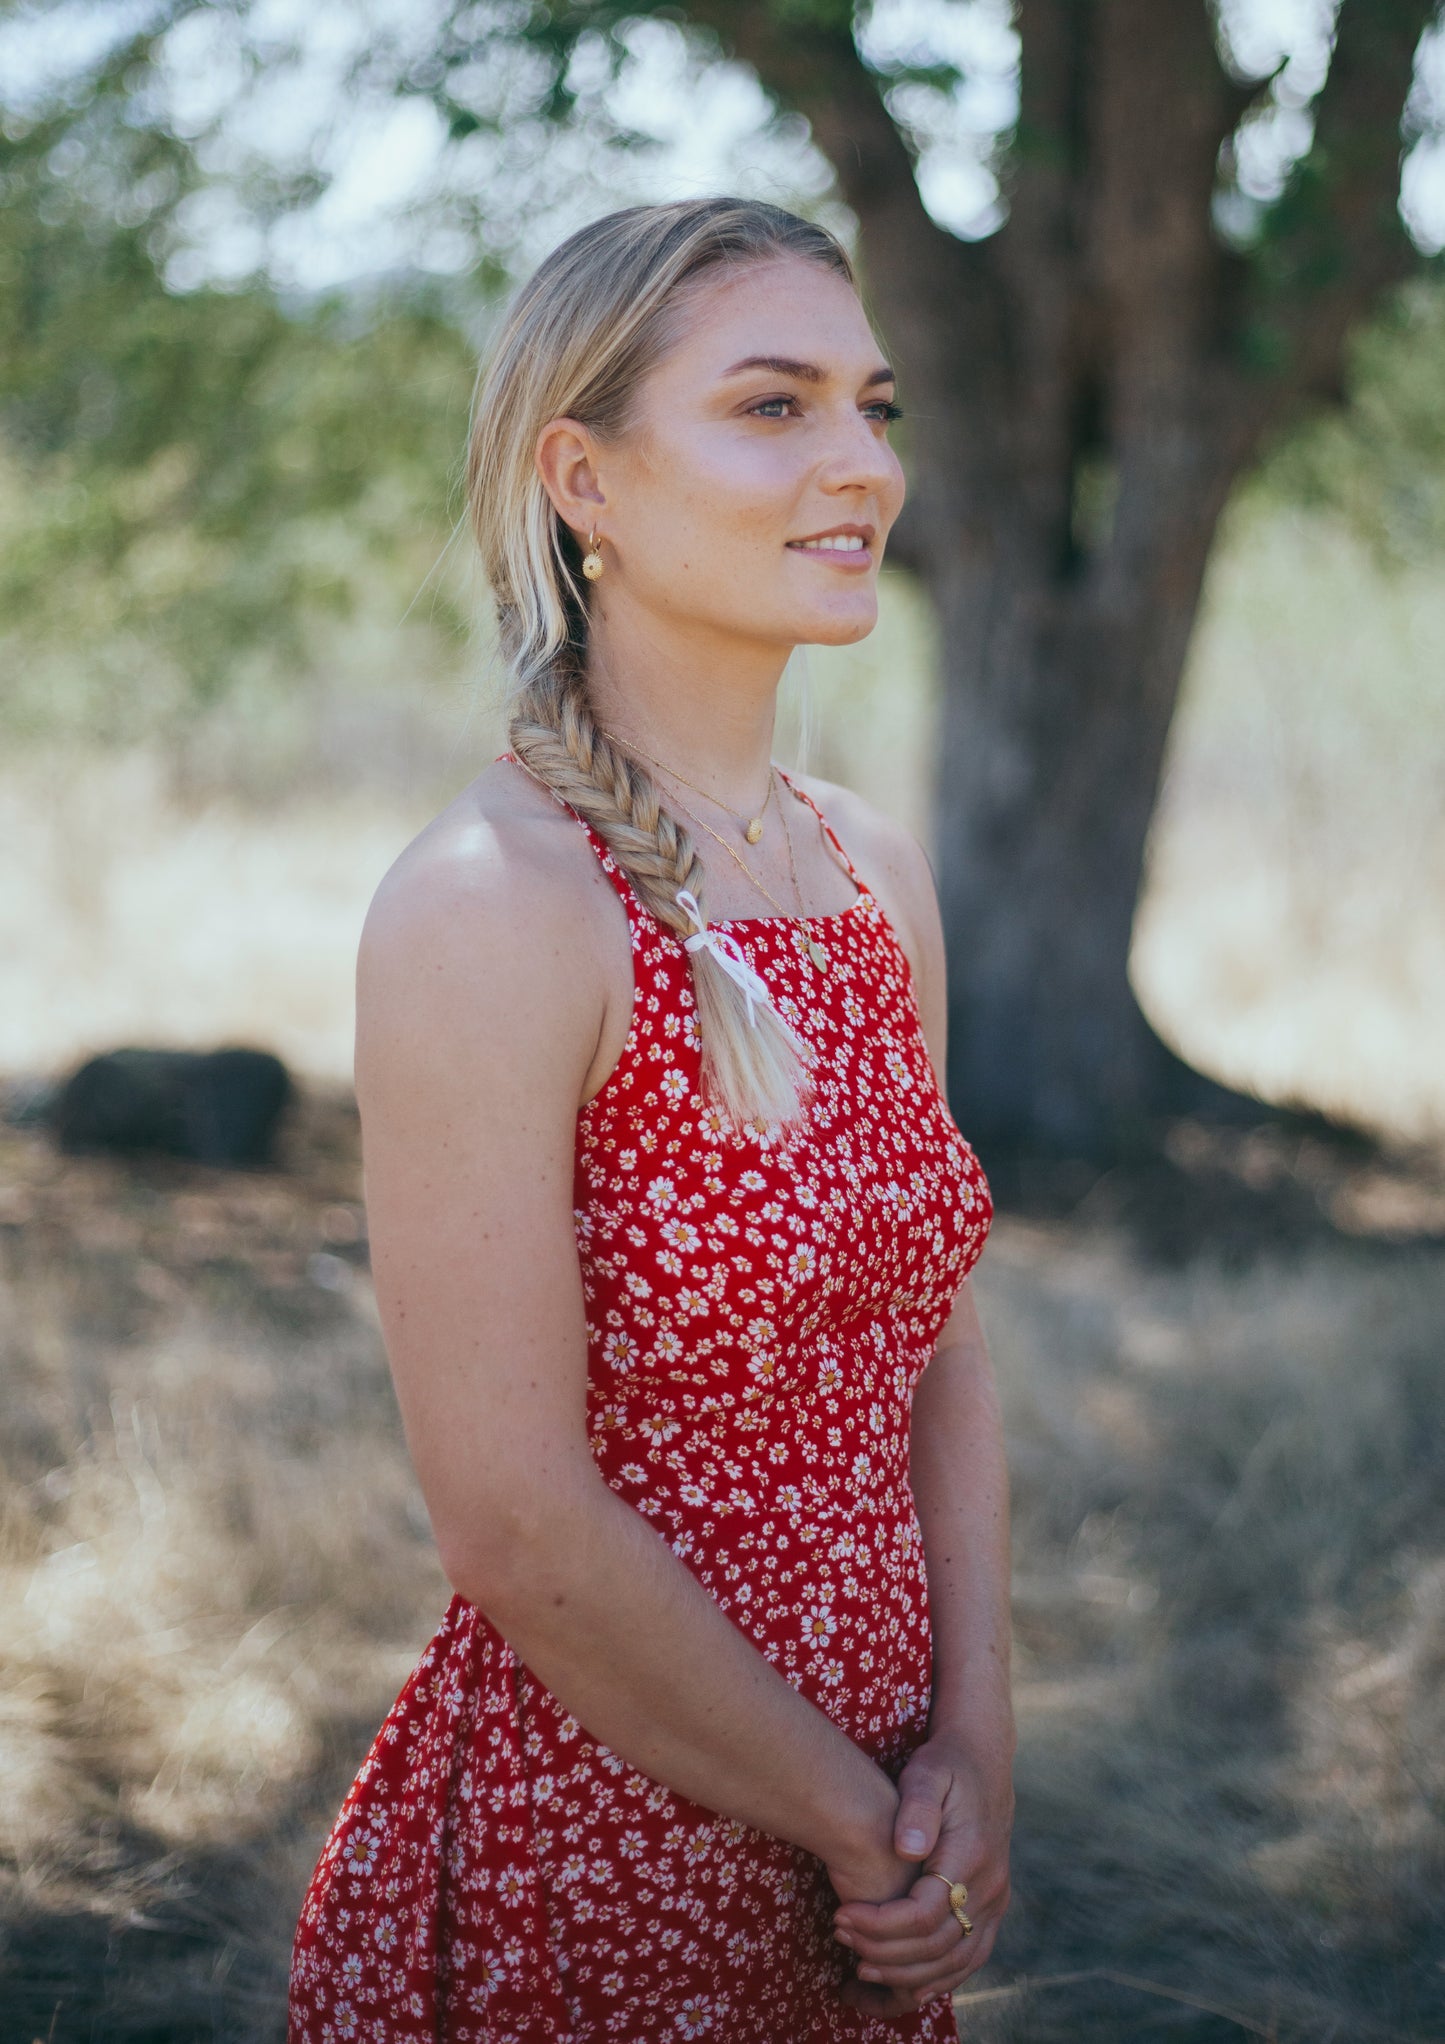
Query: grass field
x=1291 y=928
x=215 y=1572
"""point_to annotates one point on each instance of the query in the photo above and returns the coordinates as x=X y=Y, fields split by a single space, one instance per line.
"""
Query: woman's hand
x=955 y=1814
x=870 y=1868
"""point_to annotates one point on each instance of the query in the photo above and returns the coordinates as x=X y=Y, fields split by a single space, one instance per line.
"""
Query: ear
x=566 y=458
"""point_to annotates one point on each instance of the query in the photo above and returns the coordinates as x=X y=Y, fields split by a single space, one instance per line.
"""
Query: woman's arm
x=480 y=1001
x=956 y=1802
x=956 y=1791
x=961 y=1492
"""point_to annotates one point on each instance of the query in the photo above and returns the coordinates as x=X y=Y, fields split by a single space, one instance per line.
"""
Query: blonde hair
x=578 y=340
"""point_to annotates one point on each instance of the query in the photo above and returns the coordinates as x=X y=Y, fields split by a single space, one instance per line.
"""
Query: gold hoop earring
x=592 y=560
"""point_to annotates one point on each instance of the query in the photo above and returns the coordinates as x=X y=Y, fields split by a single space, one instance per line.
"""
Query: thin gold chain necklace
x=816 y=951
x=752 y=826
x=807 y=942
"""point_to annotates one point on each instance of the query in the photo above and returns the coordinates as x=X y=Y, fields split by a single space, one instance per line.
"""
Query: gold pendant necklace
x=752 y=826
x=806 y=942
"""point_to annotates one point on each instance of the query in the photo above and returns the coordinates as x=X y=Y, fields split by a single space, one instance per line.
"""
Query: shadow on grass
x=1229 y=1509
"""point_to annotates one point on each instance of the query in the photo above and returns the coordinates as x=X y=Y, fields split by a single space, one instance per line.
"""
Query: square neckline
x=828 y=915
x=865 y=900
x=860 y=900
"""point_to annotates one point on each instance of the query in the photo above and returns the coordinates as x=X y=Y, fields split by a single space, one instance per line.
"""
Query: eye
x=884 y=408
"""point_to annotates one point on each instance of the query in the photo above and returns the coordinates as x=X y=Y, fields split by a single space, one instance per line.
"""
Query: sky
x=289 y=94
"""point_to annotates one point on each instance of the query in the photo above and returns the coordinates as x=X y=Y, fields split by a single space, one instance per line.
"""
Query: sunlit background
x=252 y=783
x=245 y=655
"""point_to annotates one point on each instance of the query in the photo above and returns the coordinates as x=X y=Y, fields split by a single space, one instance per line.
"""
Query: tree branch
x=813 y=67
x=1050 y=141
x=1336 y=240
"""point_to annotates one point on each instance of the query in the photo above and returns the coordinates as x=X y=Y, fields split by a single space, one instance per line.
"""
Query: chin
x=844 y=630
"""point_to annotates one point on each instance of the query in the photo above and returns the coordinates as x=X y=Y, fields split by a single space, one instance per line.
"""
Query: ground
x=1221 y=1375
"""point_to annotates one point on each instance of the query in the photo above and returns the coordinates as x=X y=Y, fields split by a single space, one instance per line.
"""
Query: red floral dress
x=759 y=1310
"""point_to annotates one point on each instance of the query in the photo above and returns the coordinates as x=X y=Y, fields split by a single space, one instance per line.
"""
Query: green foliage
x=1378 y=461
x=190 y=483
x=197 y=486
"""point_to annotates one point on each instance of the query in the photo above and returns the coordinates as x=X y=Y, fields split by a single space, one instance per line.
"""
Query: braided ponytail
x=581 y=335
x=751 y=1071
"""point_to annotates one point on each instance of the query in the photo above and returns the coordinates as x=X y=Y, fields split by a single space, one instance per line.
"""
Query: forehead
x=784 y=306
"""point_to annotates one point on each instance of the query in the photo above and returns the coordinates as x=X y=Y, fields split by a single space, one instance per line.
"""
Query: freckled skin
x=697 y=504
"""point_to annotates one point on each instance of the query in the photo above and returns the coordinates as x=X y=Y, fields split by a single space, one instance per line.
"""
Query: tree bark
x=1056 y=713
x=1084 y=388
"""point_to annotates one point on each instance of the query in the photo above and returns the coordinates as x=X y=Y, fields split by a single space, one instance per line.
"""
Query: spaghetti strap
x=803 y=796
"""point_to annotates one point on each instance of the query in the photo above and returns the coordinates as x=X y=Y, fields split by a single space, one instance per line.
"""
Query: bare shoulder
x=886 y=853
x=491 y=925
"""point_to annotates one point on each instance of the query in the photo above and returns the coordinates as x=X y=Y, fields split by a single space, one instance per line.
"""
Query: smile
x=843 y=547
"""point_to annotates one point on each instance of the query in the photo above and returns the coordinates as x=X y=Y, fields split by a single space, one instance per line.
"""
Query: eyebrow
x=806 y=372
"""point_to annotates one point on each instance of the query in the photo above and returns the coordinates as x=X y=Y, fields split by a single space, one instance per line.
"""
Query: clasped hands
x=953 y=1816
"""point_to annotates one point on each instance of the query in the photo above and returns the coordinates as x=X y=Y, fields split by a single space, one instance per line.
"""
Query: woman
x=671 y=1231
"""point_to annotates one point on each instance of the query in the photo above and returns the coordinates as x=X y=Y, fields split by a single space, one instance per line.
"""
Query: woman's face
x=764 y=427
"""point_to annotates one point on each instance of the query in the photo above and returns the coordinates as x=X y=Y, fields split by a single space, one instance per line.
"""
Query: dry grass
x=1291 y=932
x=1230 y=1622
x=214 y=1570
x=215 y=1573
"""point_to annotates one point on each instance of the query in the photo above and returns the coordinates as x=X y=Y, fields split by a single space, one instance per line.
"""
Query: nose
x=858 y=457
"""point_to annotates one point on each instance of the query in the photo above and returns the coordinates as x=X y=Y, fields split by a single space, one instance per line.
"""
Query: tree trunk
x=1083 y=389
x=1056 y=707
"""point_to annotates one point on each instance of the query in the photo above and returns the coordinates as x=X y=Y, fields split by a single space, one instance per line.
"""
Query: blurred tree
x=1378 y=461
x=189 y=482
x=1084 y=385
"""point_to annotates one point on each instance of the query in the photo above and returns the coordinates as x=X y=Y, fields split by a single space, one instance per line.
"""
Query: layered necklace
x=807 y=943
x=752 y=825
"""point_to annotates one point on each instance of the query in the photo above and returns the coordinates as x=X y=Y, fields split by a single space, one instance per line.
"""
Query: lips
x=845 y=545
x=846 y=552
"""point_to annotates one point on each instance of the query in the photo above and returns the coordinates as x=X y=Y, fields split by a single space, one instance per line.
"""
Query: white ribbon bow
x=726 y=950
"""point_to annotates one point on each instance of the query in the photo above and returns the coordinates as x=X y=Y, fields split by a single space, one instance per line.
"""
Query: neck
x=704 y=706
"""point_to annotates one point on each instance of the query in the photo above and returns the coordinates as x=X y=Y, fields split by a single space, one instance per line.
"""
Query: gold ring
x=957 y=1896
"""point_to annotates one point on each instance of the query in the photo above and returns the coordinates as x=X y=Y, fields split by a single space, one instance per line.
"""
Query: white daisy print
x=760 y=1306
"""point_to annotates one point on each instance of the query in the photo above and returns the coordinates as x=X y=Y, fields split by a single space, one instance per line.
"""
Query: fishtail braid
x=557 y=739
